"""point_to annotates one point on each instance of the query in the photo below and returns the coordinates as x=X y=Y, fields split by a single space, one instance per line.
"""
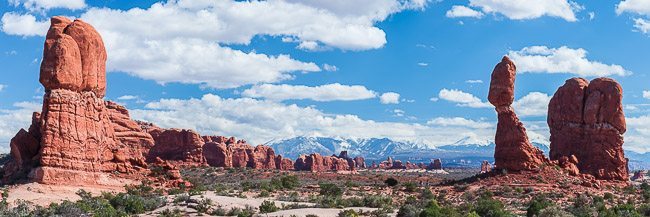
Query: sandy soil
x=43 y=195
x=229 y=202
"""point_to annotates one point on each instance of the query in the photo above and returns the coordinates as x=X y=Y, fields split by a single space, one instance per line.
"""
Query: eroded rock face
x=587 y=121
x=486 y=167
x=360 y=162
x=177 y=145
x=436 y=164
x=317 y=163
x=513 y=151
x=77 y=136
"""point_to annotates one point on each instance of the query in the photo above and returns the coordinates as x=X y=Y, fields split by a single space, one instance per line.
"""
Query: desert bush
x=246 y=212
x=486 y=206
x=390 y=182
x=330 y=190
x=264 y=193
x=536 y=205
x=553 y=211
x=170 y=213
x=377 y=201
x=434 y=210
x=408 y=210
x=268 y=207
x=410 y=186
x=348 y=213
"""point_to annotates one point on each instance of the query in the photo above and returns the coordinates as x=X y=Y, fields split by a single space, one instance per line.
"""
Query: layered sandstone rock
x=78 y=136
x=436 y=164
x=177 y=145
x=486 y=167
x=587 y=121
x=360 y=162
x=513 y=151
x=317 y=163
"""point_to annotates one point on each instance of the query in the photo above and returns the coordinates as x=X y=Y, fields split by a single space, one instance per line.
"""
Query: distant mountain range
x=467 y=152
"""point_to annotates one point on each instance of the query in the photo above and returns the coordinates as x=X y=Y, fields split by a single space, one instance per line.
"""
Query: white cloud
x=399 y=113
x=389 y=98
x=23 y=25
x=330 y=68
x=641 y=7
x=423 y=64
x=462 y=11
x=541 y=59
x=459 y=121
x=533 y=104
x=642 y=25
x=12 y=120
x=188 y=41
x=646 y=94
x=2 y=87
x=323 y=93
x=259 y=121
x=638 y=132
x=592 y=15
x=474 y=81
x=462 y=99
x=527 y=9
x=128 y=97
x=43 y=5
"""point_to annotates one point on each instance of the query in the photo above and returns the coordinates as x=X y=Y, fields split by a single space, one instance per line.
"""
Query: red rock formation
x=317 y=163
x=486 y=167
x=77 y=136
x=283 y=163
x=360 y=162
x=351 y=162
x=513 y=151
x=638 y=175
x=177 y=145
x=587 y=121
x=436 y=164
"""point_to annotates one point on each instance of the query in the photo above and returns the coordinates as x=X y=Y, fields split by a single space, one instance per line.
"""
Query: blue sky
x=412 y=70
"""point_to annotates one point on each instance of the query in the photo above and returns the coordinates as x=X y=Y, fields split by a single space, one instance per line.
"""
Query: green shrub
x=390 y=182
x=268 y=207
x=290 y=182
x=330 y=190
x=536 y=205
x=486 y=206
x=348 y=213
x=408 y=210
x=170 y=213
x=410 y=187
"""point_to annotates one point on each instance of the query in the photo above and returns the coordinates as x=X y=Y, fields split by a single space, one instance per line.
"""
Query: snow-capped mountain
x=373 y=148
x=466 y=152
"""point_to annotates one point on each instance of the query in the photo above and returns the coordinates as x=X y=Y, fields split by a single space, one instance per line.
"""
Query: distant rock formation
x=638 y=175
x=360 y=162
x=436 y=164
x=587 y=123
x=513 y=151
x=317 y=163
x=486 y=167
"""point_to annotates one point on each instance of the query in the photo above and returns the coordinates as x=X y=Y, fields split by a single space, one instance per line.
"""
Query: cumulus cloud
x=641 y=7
x=533 y=104
x=541 y=59
x=527 y=9
x=189 y=41
x=330 y=68
x=638 y=132
x=462 y=11
x=642 y=25
x=11 y=120
x=323 y=93
x=646 y=94
x=42 y=5
x=389 y=98
x=128 y=97
x=23 y=25
x=462 y=99
x=259 y=121
x=459 y=121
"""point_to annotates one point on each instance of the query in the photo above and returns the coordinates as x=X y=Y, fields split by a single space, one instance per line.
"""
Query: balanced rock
x=587 y=122
x=513 y=151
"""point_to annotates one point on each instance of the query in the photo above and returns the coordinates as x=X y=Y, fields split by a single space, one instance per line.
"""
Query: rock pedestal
x=513 y=151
